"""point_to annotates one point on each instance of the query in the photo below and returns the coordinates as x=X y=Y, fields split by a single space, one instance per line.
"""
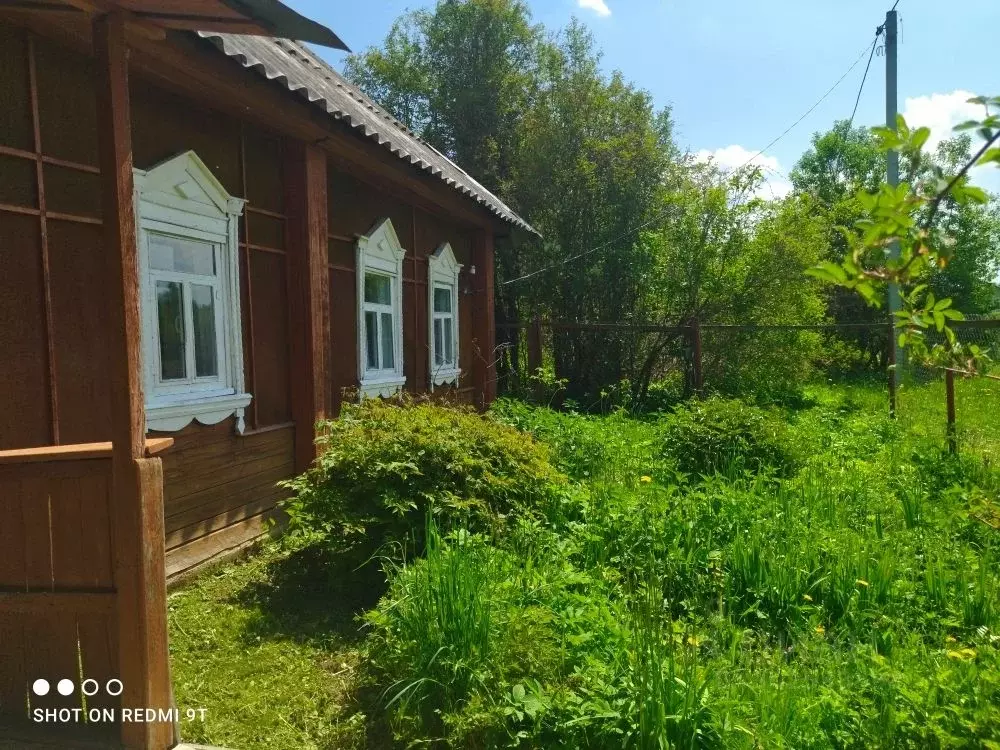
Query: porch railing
x=59 y=587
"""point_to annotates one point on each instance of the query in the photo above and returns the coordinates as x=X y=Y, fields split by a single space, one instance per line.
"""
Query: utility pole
x=892 y=177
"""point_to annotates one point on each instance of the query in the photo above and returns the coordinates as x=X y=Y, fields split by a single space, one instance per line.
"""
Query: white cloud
x=776 y=184
x=598 y=6
x=941 y=113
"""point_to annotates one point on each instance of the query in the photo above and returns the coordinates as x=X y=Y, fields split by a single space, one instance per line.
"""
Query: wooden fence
x=691 y=332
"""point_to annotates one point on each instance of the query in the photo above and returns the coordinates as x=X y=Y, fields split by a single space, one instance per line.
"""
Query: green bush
x=383 y=466
x=578 y=445
x=720 y=435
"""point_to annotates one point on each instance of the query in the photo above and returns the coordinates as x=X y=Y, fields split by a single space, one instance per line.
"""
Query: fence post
x=891 y=369
x=695 y=327
x=535 y=352
x=949 y=387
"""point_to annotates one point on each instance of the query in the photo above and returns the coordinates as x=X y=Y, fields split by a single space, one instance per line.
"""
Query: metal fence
x=700 y=358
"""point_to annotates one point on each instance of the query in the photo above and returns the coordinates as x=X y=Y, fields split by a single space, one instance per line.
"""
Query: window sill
x=175 y=413
x=443 y=377
x=383 y=386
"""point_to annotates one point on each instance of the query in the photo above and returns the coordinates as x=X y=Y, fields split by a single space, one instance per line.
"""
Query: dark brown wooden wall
x=354 y=208
x=52 y=316
x=219 y=486
x=52 y=310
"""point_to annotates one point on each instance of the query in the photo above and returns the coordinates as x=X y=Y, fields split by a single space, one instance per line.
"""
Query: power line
x=808 y=111
x=878 y=33
x=662 y=214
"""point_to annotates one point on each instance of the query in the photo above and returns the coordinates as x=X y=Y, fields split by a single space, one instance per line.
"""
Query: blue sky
x=738 y=72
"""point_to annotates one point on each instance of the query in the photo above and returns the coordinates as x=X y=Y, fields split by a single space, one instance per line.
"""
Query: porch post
x=484 y=326
x=309 y=293
x=137 y=501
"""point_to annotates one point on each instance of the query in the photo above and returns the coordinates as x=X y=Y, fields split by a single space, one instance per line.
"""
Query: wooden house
x=206 y=236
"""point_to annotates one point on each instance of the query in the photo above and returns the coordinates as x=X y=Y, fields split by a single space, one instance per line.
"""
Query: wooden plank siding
x=219 y=487
x=354 y=208
x=214 y=480
x=57 y=582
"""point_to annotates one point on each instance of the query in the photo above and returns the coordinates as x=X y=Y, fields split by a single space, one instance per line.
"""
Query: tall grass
x=747 y=607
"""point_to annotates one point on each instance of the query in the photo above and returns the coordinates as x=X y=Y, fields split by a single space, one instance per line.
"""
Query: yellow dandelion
x=807 y=597
x=645 y=479
x=820 y=629
x=951 y=639
x=862 y=582
x=693 y=640
x=962 y=654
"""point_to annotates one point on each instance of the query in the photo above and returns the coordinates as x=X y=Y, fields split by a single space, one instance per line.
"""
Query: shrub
x=578 y=444
x=382 y=467
x=719 y=435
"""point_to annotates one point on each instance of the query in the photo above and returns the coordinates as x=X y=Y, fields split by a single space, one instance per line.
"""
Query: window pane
x=170 y=316
x=388 y=360
x=438 y=341
x=378 y=289
x=449 y=350
x=371 y=339
x=205 y=341
x=442 y=299
x=181 y=255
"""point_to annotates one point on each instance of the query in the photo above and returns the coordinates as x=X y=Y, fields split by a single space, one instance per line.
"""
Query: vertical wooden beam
x=137 y=499
x=697 y=373
x=949 y=387
x=246 y=288
x=484 y=326
x=891 y=368
x=306 y=226
x=535 y=356
x=421 y=347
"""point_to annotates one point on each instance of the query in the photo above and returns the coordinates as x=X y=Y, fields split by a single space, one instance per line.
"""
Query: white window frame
x=380 y=252
x=442 y=272
x=181 y=198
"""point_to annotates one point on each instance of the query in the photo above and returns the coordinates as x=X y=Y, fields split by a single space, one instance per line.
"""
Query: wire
x=878 y=33
x=808 y=111
x=662 y=214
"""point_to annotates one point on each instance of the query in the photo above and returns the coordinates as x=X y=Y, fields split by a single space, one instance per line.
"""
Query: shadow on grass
x=314 y=595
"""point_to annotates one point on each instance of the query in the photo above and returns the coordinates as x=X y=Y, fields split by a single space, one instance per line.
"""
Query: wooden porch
x=82 y=578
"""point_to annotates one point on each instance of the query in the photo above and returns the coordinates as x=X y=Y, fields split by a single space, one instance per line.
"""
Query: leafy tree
x=902 y=242
x=841 y=163
x=973 y=229
x=723 y=256
x=592 y=168
x=461 y=76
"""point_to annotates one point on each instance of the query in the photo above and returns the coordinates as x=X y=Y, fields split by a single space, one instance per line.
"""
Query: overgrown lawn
x=818 y=577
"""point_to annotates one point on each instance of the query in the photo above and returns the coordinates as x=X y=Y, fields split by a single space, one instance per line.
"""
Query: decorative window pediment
x=189 y=272
x=380 y=311
x=442 y=315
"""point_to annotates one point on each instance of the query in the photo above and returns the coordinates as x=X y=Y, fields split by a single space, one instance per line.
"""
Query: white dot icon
x=40 y=687
x=65 y=687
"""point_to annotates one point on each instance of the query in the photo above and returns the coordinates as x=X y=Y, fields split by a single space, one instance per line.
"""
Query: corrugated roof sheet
x=280 y=19
x=304 y=73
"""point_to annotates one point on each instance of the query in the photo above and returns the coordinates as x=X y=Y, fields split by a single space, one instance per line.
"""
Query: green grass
x=852 y=602
x=270 y=648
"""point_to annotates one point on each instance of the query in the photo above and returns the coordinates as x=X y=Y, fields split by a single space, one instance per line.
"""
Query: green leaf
x=991 y=155
x=829 y=271
x=919 y=138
